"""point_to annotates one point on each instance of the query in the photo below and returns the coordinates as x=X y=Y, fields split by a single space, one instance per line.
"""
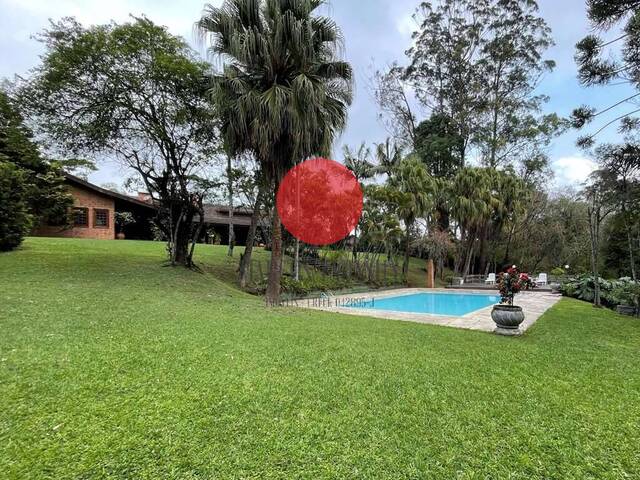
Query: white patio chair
x=491 y=279
x=542 y=279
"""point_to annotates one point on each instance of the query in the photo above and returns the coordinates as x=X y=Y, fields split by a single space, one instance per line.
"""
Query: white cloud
x=573 y=170
x=406 y=25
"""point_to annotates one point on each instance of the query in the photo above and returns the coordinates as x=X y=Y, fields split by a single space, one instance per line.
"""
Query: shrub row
x=623 y=291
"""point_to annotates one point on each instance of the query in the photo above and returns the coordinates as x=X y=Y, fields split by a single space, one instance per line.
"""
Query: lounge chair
x=542 y=279
x=491 y=279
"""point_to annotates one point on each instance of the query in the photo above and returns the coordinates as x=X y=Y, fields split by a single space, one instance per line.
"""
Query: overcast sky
x=377 y=32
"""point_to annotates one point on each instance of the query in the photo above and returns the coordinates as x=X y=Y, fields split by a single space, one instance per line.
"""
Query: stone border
x=533 y=303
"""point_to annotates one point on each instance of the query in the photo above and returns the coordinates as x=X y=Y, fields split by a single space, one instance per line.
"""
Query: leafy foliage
x=612 y=292
x=15 y=220
x=33 y=189
x=122 y=219
x=438 y=144
x=313 y=283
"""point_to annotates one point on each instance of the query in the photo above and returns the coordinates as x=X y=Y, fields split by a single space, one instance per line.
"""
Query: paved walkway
x=533 y=303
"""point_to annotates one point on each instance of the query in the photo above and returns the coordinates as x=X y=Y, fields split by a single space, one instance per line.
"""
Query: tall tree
x=511 y=62
x=599 y=206
x=137 y=92
x=443 y=69
x=438 y=145
x=411 y=190
x=478 y=63
x=597 y=64
x=470 y=205
x=620 y=173
x=32 y=189
x=359 y=162
x=283 y=93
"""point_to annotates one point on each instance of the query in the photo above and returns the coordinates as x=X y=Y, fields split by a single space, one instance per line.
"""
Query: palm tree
x=411 y=189
x=359 y=164
x=471 y=205
x=388 y=155
x=282 y=93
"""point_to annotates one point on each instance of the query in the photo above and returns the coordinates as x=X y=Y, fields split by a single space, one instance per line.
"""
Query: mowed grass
x=114 y=366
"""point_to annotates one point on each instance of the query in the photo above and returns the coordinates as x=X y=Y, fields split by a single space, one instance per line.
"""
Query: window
x=101 y=218
x=80 y=217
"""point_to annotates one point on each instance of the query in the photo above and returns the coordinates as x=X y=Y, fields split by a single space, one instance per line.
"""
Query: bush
x=336 y=255
x=316 y=282
x=15 y=220
x=122 y=219
x=612 y=292
x=313 y=283
x=626 y=292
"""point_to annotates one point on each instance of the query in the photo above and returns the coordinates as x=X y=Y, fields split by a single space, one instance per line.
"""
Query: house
x=93 y=214
x=94 y=209
x=216 y=219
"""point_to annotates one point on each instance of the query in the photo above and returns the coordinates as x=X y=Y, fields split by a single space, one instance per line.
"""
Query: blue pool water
x=453 y=304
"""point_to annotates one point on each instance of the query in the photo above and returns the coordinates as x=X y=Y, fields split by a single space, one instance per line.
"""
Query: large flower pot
x=507 y=317
x=120 y=236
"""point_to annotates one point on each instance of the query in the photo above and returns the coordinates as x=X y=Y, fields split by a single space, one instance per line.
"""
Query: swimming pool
x=452 y=304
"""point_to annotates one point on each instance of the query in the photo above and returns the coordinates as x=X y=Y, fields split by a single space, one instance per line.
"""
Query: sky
x=376 y=32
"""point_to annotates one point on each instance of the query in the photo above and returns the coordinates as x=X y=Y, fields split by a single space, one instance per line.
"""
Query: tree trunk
x=296 y=261
x=596 y=279
x=405 y=263
x=181 y=242
x=275 y=268
x=468 y=257
x=507 y=251
x=232 y=234
x=354 y=247
x=594 y=234
x=632 y=260
x=245 y=259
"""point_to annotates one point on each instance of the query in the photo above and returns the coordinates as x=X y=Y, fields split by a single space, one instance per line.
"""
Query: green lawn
x=114 y=366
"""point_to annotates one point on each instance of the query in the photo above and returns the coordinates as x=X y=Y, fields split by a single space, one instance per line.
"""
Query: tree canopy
x=135 y=92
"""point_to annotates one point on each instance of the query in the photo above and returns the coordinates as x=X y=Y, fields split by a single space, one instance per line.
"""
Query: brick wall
x=87 y=199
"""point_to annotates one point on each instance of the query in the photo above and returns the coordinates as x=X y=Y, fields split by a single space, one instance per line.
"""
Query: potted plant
x=557 y=274
x=122 y=219
x=506 y=315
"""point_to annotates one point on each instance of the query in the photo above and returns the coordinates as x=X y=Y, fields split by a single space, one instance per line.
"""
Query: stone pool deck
x=533 y=303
